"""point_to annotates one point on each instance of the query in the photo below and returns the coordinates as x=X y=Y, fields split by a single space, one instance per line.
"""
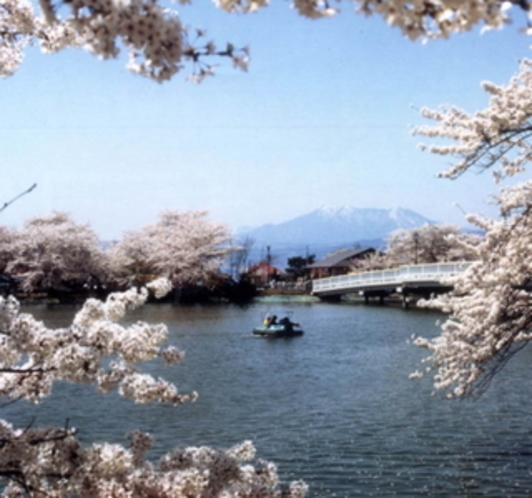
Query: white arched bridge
x=414 y=279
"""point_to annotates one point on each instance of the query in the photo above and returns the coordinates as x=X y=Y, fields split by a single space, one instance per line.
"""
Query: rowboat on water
x=284 y=328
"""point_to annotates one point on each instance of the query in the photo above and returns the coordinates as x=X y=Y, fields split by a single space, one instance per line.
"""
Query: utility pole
x=415 y=236
x=268 y=263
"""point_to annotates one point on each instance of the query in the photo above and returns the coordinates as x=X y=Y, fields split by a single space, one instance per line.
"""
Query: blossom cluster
x=52 y=250
x=33 y=357
x=416 y=18
x=424 y=245
x=157 y=42
x=182 y=246
x=497 y=136
x=428 y=19
x=153 y=35
x=17 y=24
x=53 y=463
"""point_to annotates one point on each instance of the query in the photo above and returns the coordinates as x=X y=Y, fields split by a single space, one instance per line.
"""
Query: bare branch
x=6 y=204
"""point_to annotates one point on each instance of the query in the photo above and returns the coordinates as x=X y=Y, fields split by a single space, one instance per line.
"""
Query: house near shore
x=339 y=262
x=261 y=274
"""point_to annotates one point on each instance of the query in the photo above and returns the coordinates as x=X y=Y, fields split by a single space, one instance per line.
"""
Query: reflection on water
x=334 y=407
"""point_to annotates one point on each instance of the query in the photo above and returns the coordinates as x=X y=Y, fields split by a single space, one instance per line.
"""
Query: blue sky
x=323 y=117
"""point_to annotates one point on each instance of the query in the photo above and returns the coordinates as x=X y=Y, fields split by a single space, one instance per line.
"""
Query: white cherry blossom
x=54 y=253
x=498 y=136
x=427 y=244
x=184 y=247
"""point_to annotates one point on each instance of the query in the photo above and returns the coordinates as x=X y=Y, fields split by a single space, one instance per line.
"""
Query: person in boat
x=270 y=320
x=288 y=324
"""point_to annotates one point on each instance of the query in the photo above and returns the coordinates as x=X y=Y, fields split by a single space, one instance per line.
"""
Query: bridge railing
x=434 y=272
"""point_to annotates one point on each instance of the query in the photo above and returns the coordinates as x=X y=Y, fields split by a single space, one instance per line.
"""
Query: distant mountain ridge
x=340 y=225
x=330 y=228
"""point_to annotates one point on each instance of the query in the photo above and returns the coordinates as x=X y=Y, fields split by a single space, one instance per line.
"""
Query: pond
x=334 y=407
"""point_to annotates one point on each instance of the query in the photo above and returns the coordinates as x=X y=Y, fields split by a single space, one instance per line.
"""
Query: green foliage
x=298 y=264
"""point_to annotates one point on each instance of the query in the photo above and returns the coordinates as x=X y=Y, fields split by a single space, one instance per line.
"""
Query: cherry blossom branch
x=497 y=135
x=491 y=304
x=484 y=158
x=496 y=364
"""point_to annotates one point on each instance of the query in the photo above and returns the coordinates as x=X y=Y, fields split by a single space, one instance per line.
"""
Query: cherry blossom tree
x=159 y=44
x=182 y=246
x=489 y=310
x=7 y=237
x=97 y=349
x=54 y=253
x=430 y=244
x=424 y=245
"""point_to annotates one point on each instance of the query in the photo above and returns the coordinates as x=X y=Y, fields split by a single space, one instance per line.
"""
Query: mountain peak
x=333 y=211
x=338 y=225
x=399 y=214
x=396 y=212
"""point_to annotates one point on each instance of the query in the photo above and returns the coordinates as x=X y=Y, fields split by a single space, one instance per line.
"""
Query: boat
x=284 y=328
x=277 y=331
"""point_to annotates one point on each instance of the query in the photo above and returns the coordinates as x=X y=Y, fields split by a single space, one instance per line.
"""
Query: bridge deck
x=428 y=275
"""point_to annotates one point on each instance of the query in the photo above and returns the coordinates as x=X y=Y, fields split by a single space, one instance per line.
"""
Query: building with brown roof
x=339 y=262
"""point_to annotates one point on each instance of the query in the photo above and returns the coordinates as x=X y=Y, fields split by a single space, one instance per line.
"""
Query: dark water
x=334 y=407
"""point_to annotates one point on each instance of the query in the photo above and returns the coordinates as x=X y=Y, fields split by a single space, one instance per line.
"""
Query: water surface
x=333 y=407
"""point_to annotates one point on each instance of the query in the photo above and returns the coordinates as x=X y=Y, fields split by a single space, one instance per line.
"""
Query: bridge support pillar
x=331 y=299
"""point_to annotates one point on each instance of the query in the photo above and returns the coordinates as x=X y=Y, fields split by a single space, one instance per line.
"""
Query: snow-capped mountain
x=342 y=225
x=330 y=228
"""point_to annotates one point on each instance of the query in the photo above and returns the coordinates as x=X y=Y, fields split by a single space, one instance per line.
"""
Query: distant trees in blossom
x=427 y=244
x=7 y=237
x=431 y=244
x=55 y=254
x=184 y=247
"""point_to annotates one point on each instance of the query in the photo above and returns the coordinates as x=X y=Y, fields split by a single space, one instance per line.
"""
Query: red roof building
x=262 y=273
